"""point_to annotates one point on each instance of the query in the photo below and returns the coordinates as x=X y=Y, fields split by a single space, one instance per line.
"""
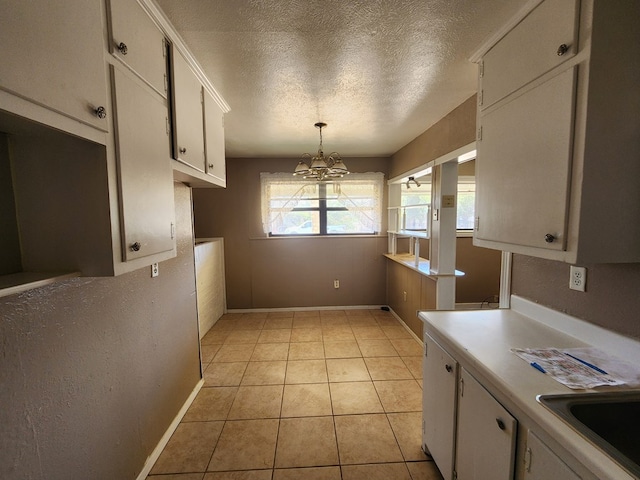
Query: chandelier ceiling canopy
x=320 y=167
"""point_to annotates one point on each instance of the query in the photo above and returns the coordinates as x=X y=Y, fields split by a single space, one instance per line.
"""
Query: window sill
x=285 y=237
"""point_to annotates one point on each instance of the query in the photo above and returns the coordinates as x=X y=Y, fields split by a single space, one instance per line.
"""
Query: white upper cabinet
x=138 y=42
x=515 y=162
x=188 y=128
x=51 y=53
x=557 y=168
x=144 y=168
x=542 y=41
x=215 y=165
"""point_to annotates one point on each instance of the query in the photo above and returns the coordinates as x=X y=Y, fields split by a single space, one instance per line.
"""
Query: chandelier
x=319 y=166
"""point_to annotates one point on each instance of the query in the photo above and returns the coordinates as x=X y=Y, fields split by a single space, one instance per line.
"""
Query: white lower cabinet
x=469 y=434
x=542 y=464
x=486 y=434
x=439 y=406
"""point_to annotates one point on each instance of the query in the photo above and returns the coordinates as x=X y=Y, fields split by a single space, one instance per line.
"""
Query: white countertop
x=481 y=341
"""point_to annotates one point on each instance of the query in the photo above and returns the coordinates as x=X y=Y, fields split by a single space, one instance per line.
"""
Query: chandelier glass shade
x=319 y=167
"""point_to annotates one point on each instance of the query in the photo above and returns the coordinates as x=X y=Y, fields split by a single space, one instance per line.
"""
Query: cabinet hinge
x=173 y=230
x=166 y=119
x=527 y=460
x=479 y=134
x=166 y=85
x=164 y=48
x=480 y=96
x=476 y=224
x=425 y=349
x=455 y=475
x=481 y=72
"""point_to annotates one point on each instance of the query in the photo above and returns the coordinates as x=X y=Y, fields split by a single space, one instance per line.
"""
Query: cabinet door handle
x=562 y=49
x=211 y=165
x=183 y=150
x=100 y=112
x=136 y=246
x=500 y=423
x=122 y=48
x=549 y=238
x=448 y=368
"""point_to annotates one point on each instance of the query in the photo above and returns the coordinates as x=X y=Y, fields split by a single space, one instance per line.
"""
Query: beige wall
x=612 y=299
x=287 y=272
x=455 y=130
x=93 y=370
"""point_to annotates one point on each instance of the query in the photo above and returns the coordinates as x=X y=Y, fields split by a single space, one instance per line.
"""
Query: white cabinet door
x=138 y=42
x=439 y=405
x=214 y=139
x=144 y=167
x=530 y=50
x=523 y=167
x=486 y=434
x=188 y=128
x=52 y=54
x=542 y=464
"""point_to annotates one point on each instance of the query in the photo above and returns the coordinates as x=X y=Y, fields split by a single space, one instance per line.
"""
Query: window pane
x=416 y=195
x=416 y=218
x=296 y=223
x=466 y=205
x=350 y=221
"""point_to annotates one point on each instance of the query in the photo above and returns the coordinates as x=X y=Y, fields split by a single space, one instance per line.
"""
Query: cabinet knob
x=562 y=49
x=136 y=246
x=182 y=150
x=122 y=48
x=211 y=165
x=549 y=238
x=101 y=112
x=500 y=423
x=448 y=368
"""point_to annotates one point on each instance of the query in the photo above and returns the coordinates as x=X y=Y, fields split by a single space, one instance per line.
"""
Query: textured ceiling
x=378 y=72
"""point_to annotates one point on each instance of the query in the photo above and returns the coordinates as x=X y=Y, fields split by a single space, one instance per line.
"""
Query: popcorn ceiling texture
x=379 y=72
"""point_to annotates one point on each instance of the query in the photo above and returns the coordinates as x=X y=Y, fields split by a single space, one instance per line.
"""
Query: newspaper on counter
x=580 y=368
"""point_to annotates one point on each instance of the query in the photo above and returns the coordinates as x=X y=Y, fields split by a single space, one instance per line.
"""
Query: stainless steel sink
x=609 y=420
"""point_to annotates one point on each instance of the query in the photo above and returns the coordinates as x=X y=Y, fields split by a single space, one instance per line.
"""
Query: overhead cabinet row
x=124 y=108
x=558 y=128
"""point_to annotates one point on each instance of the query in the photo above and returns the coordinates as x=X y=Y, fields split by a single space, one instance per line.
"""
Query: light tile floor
x=314 y=395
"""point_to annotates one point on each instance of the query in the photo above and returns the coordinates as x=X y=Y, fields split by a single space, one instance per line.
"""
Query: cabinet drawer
x=138 y=42
x=529 y=50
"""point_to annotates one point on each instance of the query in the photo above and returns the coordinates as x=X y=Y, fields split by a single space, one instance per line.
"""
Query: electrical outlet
x=577 y=278
x=336 y=284
x=154 y=270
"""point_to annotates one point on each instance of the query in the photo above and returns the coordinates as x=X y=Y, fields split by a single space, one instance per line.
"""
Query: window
x=416 y=217
x=295 y=206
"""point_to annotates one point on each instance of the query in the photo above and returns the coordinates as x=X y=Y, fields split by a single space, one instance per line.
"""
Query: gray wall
x=93 y=370
x=612 y=299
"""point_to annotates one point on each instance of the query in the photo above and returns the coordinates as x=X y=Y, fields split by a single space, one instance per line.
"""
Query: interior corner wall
x=455 y=130
x=288 y=272
x=94 y=370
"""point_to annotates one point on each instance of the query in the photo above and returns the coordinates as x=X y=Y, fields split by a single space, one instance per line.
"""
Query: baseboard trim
x=151 y=459
x=411 y=332
x=304 y=309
